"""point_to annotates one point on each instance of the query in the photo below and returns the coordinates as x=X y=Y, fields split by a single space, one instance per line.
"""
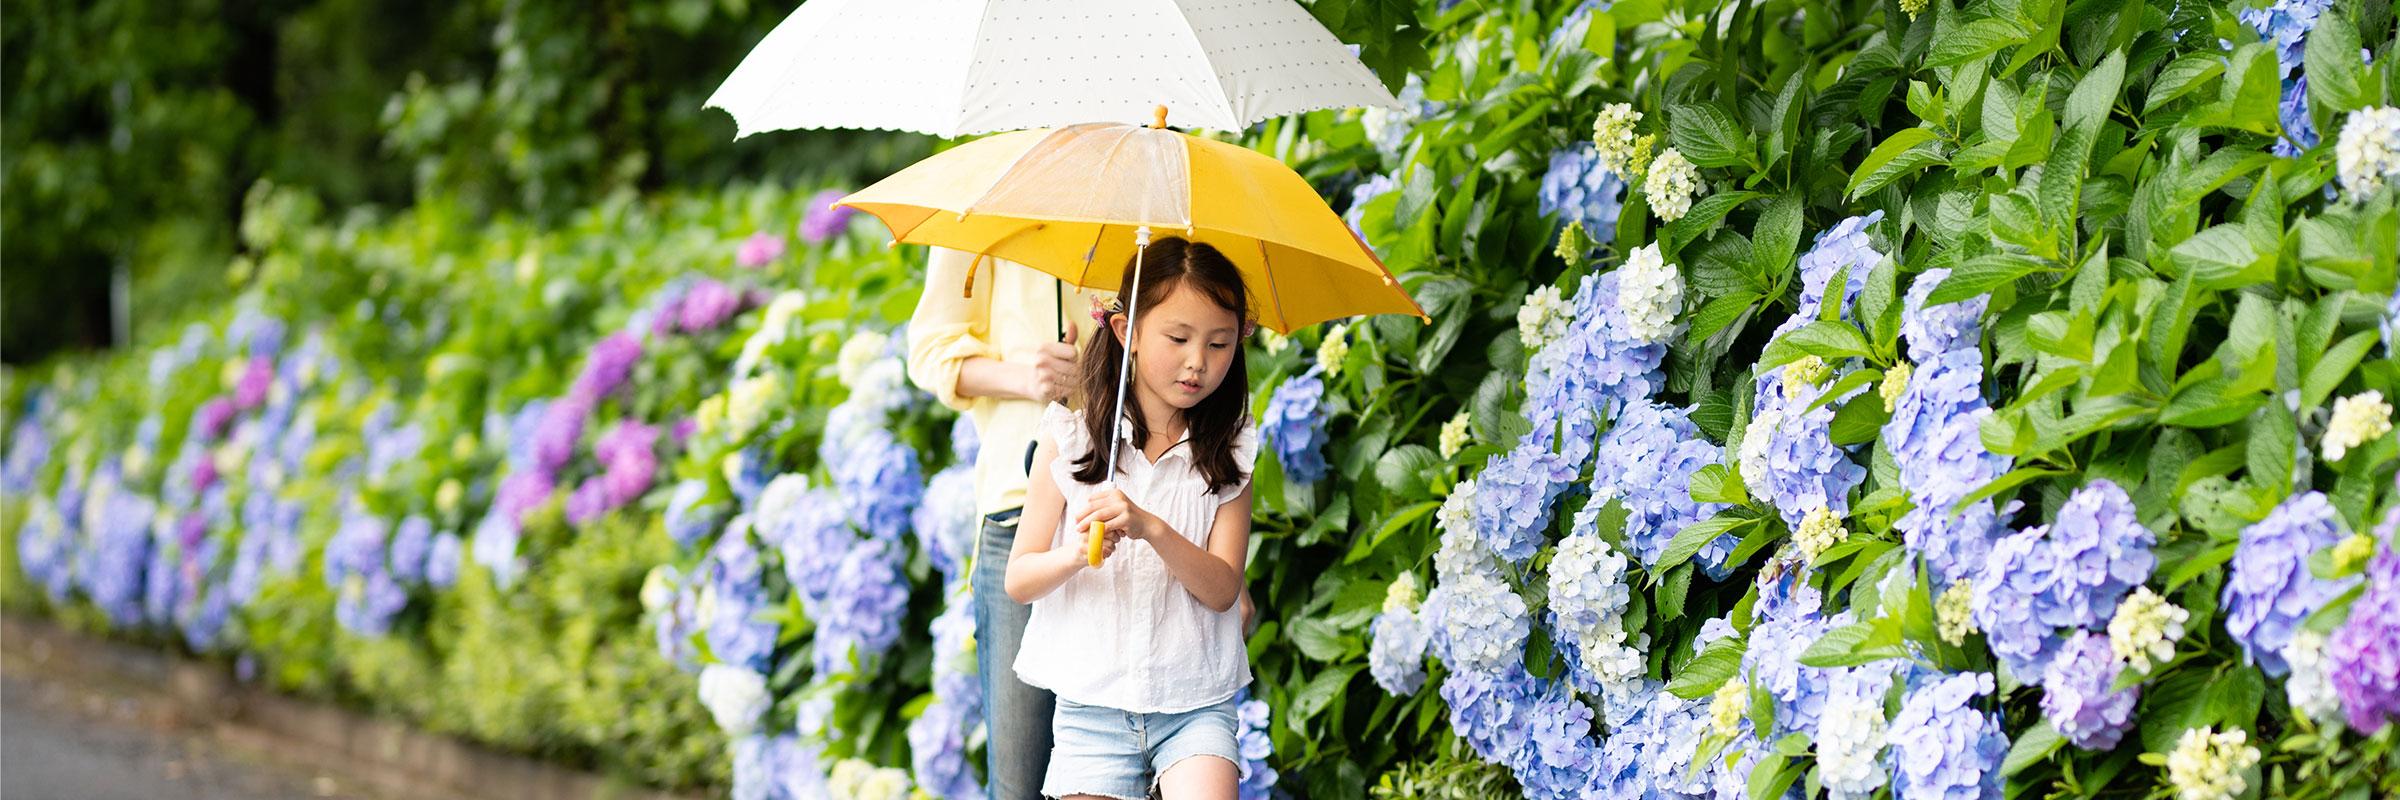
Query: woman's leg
x=1016 y=716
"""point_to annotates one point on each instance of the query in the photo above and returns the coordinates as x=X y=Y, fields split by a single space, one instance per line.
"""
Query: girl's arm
x=1035 y=568
x=1214 y=575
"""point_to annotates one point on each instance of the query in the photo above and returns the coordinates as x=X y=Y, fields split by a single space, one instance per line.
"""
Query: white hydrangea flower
x=1671 y=183
x=1614 y=136
x=1542 y=318
x=1752 y=456
x=1588 y=590
x=1455 y=435
x=2207 y=765
x=1334 y=350
x=780 y=500
x=861 y=349
x=658 y=587
x=1650 y=293
x=1728 y=706
x=1819 y=531
x=773 y=327
x=1402 y=594
x=1895 y=382
x=1850 y=739
x=736 y=697
x=2145 y=629
x=447 y=496
x=1954 y=612
x=1484 y=620
x=2310 y=686
x=2368 y=151
x=2357 y=420
x=1462 y=551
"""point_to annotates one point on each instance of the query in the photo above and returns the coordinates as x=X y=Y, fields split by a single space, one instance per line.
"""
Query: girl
x=1145 y=651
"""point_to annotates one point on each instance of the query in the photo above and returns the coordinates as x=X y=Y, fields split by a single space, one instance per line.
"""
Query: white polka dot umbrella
x=962 y=67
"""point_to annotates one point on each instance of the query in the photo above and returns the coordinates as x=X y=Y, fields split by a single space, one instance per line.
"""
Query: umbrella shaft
x=1141 y=246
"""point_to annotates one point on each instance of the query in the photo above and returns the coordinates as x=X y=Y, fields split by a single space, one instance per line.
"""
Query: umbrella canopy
x=1069 y=202
x=960 y=67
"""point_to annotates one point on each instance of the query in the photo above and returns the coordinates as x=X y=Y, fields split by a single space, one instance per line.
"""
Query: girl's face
x=1186 y=346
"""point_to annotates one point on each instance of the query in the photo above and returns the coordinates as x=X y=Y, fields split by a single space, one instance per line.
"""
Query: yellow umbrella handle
x=1093 y=553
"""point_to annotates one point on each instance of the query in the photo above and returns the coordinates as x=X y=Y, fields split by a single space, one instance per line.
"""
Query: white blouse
x=1127 y=635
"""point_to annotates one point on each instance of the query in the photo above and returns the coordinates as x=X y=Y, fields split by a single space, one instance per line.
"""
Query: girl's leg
x=1199 y=778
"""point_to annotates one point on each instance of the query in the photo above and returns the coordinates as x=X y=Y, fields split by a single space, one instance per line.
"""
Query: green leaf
x=2337 y=82
x=1775 y=241
x=1885 y=163
x=1828 y=339
x=2183 y=76
x=1702 y=674
x=1703 y=217
x=1719 y=313
x=1717 y=483
x=1403 y=470
x=1971 y=41
x=2332 y=367
x=1688 y=541
x=1854 y=644
x=2032 y=747
x=2015 y=478
x=2088 y=105
x=1320 y=691
x=1859 y=420
x=1982 y=274
x=1708 y=136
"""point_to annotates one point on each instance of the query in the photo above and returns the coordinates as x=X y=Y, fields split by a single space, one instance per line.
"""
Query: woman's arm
x=1035 y=568
x=1214 y=575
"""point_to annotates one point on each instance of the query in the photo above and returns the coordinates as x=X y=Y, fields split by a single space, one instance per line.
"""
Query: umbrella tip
x=1158 y=117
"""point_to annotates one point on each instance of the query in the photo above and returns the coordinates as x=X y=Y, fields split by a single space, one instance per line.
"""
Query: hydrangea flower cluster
x=1588 y=373
x=777 y=767
x=1579 y=188
x=1398 y=638
x=1257 y=779
x=1388 y=128
x=1536 y=728
x=1514 y=495
x=2270 y=589
x=2145 y=629
x=1650 y=747
x=1481 y=622
x=2367 y=155
x=868 y=600
x=2365 y=651
x=1615 y=138
x=761 y=249
x=734 y=696
x=2068 y=574
x=1935 y=439
x=1670 y=183
x=823 y=220
x=1787 y=455
x=732 y=600
x=1851 y=733
x=1649 y=295
x=2284 y=25
x=1543 y=317
x=688 y=518
x=2309 y=687
x=2357 y=420
x=1294 y=423
x=1943 y=747
x=1362 y=194
x=2078 y=694
x=1588 y=598
x=1789 y=620
x=2208 y=765
x=937 y=739
x=1646 y=463
x=628 y=458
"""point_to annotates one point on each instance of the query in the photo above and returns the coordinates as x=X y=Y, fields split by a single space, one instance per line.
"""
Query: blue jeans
x=1016 y=716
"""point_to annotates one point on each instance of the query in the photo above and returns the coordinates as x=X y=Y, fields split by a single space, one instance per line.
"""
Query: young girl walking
x=1145 y=650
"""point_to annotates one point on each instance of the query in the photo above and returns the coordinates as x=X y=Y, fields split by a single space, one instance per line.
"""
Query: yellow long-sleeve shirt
x=1011 y=308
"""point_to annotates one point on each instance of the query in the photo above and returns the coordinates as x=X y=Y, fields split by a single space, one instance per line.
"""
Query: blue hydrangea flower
x=1294 y=424
x=814 y=544
x=495 y=548
x=1788 y=622
x=1481 y=624
x=162 y=585
x=937 y=744
x=946 y=523
x=2077 y=694
x=688 y=521
x=1943 y=747
x=368 y=603
x=112 y=572
x=1396 y=651
x=1577 y=189
x=2068 y=574
x=1535 y=728
x=1590 y=372
x=1257 y=778
x=735 y=633
x=1788 y=457
x=1653 y=736
x=1646 y=463
x=877 y=477
x=441 y=561
x=1935 y=439
x=1845 y=248
x=2270 y=590
x=1362 y=194
x=411 y=543
x=1932 y=330
x=2284 y=26
x=861 y=616
x=1514 y=495
x=43 y=551
x=1588 y=597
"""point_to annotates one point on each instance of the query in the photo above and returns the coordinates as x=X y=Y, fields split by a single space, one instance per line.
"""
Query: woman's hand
x=1109 y=506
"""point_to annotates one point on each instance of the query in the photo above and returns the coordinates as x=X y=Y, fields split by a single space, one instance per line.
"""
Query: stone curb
x=391 y=756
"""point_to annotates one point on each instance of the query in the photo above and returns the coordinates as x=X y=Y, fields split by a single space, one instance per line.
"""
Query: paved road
x=65 y=738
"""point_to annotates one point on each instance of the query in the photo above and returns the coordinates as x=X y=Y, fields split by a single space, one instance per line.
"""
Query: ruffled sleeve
x=1245 y=457
x=1064 y=428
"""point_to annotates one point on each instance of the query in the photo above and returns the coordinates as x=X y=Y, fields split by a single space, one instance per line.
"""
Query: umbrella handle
x=1092 y=555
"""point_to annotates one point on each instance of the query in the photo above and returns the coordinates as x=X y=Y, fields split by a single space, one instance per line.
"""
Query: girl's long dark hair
x=1219 y=418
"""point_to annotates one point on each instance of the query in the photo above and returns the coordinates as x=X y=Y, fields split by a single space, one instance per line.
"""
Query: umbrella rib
x=956 y=124
x=1236 y=117
x=1274 y=292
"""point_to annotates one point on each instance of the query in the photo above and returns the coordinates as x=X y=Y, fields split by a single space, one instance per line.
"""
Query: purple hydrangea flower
x=1935 y=439
x=2270 y=590
x=213 y=418
x=2365 y=650
x=2068 y=574
x=708 y=305
x=250 y=391
x=561 y=430
x=629 y=456
x=587 y=502
x=2077 y=694
x=1396 y=653
x=1514 y=495
x=609 y=364
x=823 y=220
x=43 y=553
x=1294 y=423
x=1646 y=463
x=411 y=543
x=861 y=616
x=521 y=493
x=759 y=250
x=1578 y=189
x=1943 y=747
x=1257 y=778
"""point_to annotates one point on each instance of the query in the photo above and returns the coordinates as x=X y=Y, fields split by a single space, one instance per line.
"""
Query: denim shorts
x=1111 y=753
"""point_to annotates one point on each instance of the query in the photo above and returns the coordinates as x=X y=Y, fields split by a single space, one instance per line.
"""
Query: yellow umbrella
x=1071 y=201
